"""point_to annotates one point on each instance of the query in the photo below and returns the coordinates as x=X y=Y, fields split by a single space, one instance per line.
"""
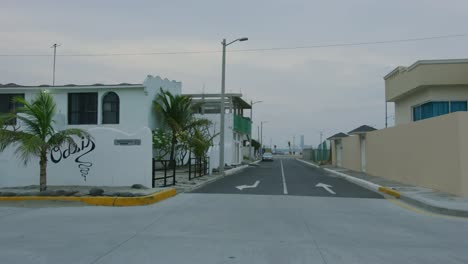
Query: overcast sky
x=304 y=90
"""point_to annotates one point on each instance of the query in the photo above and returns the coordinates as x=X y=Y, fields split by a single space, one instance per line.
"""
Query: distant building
x=302 y=142
x=428 y=88
x=237 y=128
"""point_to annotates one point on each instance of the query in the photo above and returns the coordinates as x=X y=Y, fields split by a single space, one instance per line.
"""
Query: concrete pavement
x=230 y=228
x=301 y=226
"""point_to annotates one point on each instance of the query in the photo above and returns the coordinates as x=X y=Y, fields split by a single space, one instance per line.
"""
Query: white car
x=267 y=156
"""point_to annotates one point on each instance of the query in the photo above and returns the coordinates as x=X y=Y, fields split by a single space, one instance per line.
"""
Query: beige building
x=428 y=88
x=428 y=147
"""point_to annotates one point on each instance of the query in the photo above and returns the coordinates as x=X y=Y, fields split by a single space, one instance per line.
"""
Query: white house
x=237 y=128
x=118 y=116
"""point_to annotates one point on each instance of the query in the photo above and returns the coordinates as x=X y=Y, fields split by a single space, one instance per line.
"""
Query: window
x=82 y=108
x=456 y=106
x=440 y=108
x=432 y=109
x=416 y=113
x=110 y=108
x=7 y=105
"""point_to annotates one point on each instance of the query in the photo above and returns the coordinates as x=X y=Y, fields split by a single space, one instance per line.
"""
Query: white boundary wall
x=99 y=162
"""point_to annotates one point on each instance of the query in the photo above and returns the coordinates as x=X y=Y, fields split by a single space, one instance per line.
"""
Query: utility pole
x=55 y=54
x=261 y=135
x=251 y=123
x=258 y=133
x=222 y=112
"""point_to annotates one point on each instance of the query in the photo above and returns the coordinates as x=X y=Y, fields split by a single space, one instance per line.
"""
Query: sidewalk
x=425 y=198
x=185 y=185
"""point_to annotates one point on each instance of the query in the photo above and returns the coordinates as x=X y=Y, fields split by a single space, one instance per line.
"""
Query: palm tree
x=37 y=136
x=176 y=112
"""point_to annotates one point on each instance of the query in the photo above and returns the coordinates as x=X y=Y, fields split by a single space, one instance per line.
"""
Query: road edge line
x=285 y=187
x=363 y=183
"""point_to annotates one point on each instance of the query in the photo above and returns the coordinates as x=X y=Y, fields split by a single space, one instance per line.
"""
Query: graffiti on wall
x=85 y=146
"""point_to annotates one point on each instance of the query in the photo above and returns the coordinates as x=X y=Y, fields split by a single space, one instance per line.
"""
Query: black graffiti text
x=87 y=145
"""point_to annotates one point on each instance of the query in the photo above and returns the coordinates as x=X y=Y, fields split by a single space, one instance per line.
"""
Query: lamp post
x=251 y=123
x=261 y=133
x=223 y=89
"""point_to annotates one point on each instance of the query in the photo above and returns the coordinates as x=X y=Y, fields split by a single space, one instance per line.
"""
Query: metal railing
x=198 y=167
x=161 y=172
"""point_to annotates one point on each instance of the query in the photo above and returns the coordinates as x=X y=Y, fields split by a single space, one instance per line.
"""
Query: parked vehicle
x=267 y=156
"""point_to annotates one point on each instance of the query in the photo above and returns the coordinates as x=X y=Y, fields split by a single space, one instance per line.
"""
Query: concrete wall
x=404 y=105
x=431 y=153
x=333 y=149
x=425 y=73
x=230 y=139
x=351 y=153
x=152 y=88
x=307 y=153
x=98 y=162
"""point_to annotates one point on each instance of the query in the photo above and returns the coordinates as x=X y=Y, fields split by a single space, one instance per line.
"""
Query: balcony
x=242 y=124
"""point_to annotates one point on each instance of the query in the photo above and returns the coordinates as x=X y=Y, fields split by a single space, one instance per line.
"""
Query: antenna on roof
x=55 y=54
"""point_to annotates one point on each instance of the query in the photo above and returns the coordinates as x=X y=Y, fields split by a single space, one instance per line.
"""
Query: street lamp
x=223 y=89
x=251 y=122
x=261 y=133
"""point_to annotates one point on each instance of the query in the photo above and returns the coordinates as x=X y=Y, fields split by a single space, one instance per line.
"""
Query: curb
x=363 y=183
x=389 y=191
x=433 y=208
x=101 y=200
x=240 y=168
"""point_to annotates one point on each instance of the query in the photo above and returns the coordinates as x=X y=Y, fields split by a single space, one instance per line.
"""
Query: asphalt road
x=287 y=177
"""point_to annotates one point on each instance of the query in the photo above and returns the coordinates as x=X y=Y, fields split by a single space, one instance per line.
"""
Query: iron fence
x=163 y=170
x=198 y=167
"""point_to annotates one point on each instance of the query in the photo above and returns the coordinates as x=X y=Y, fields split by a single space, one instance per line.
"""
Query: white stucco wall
x=229 y=139
x=97 y=163
x=152 y=88
x=403 y=106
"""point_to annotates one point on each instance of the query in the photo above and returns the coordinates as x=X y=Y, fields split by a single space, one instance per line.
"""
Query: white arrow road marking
x=241 y=187
x=326 y=187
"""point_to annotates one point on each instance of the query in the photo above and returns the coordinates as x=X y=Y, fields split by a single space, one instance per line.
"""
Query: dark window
x=110 y=108
x=426 y=110
x=440 y=108
x=456 y=106
x=8 y=106
x=432 y=109
x=82 y=108
x=416 y=113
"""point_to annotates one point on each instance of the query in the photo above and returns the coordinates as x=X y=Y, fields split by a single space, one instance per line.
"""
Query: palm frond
x=9 y=137
x=66 y=136
x=29 y=146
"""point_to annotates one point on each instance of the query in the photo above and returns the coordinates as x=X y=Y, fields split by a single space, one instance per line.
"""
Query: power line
x=349 y=44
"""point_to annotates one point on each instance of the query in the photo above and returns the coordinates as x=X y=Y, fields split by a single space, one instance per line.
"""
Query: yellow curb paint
x=101 y=200
x=389 y=192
